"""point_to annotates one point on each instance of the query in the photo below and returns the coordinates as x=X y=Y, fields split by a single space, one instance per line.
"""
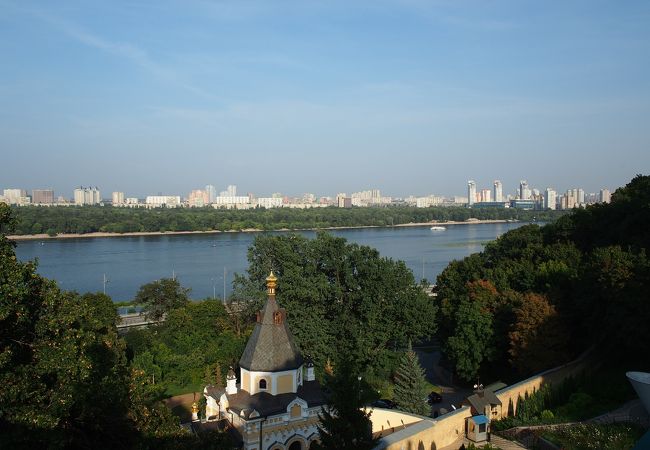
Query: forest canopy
x=89 y=219
x=539 y=296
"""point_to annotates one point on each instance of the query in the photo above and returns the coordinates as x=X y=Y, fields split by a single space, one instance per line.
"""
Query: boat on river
x=438 y=228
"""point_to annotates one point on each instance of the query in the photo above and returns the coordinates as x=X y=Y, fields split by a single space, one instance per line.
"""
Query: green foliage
x=341 y=299
x=539 y=296
x=410 y=392
x=344 y=425
x=63 y=371
x=161 y=297
x=620 y=436
x=88 y=219
x=469 y=345
x=195 y=338
x=575 y=399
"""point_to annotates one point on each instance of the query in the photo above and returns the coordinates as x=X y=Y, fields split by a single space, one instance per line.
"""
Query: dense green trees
x=341 y=298
x=65 y=381
x=87 y=219
x=538 y=296
x=410 y=386
x=344 y=424
x=63 y=371
x=160 y=297
x=174 y=355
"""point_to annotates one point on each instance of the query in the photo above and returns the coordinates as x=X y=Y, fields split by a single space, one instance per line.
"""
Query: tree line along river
x=199 y=261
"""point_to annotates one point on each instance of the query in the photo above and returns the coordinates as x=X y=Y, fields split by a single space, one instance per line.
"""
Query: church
x=276 y=403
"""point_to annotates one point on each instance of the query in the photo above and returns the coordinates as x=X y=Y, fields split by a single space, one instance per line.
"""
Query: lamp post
x=359 y=389
x=105 y=281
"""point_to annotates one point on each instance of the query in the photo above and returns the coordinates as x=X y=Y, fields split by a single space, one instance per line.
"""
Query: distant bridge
x=134 y=321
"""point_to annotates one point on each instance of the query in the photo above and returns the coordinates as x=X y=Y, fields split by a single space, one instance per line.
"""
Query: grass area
x=619 y=436
x=173 y=390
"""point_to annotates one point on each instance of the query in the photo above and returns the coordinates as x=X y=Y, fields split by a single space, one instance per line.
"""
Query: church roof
x=267 y=405
x=271 y=347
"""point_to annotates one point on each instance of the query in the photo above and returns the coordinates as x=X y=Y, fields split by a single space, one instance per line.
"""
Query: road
x=451 y=395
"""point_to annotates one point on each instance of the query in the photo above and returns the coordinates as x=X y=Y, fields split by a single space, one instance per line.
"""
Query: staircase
x=505 y=444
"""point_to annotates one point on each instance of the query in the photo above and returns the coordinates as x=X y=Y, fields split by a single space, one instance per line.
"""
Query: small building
x=477 y=428
x=484 y=402
x=275 y=405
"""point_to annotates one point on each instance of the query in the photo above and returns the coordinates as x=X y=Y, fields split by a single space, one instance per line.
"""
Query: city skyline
x=231 y=190
x=413 y=97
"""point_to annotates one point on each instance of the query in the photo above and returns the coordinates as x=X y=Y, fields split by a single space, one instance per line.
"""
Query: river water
x=198 y=261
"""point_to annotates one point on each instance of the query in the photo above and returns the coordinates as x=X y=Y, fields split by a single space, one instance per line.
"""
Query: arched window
x=262 y=384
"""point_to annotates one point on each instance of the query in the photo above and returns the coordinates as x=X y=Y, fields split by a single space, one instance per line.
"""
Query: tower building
x=524 y=190
x=277 y=401
x=471 y=192
x=498 y=191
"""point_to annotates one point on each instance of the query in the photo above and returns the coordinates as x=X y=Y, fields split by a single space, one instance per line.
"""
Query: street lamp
x=359 y=388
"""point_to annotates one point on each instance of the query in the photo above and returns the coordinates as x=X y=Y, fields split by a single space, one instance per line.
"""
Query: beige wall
x=429 y=434
x=245 y=380
x=434 y=434
x=387 y=419
x=510 y=395
x=269 y=384
x=285 y=384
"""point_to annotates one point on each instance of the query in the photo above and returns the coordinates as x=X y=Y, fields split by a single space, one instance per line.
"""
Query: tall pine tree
x=343 y=423
x=410 y=386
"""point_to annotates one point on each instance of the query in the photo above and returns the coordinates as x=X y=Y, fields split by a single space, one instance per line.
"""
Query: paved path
x=505 y=444
x=451 y=395
x=632 y=411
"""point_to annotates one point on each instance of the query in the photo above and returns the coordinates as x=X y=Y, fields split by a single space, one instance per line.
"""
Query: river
x=198 y=261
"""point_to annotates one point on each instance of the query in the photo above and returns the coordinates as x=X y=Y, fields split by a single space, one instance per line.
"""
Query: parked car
x=434 y=397
x=384 y=403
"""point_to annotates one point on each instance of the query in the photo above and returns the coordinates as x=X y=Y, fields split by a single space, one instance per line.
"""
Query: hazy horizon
x=410 y=97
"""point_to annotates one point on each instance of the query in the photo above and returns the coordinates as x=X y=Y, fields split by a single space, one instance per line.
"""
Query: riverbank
x=99 y=234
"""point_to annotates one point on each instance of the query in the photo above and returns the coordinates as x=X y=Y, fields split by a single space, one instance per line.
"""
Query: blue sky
x=412 y=97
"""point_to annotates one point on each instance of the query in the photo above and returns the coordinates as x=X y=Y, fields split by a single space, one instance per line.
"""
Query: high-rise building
x=118 y=198
x=15 y=196
x=198 y=198
x=169 y=201
x=550 y=198
x=43 y=196
x=581 y=196
x=605 y=196
x=498 y=191
x=212 y=192
x=570 y=199
x=231 y=191
x=87 y=196
x=471 y=192
x=524 y=190
x=485 y=195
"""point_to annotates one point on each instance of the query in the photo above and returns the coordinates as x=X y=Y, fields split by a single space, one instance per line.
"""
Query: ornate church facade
x=276 y=403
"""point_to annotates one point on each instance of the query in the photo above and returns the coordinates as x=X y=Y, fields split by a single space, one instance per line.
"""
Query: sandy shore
x=27 y=237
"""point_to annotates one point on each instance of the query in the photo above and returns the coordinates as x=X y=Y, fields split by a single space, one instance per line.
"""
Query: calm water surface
x=198 y=261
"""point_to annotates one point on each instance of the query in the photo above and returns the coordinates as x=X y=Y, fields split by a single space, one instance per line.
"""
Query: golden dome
x=271 y=283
